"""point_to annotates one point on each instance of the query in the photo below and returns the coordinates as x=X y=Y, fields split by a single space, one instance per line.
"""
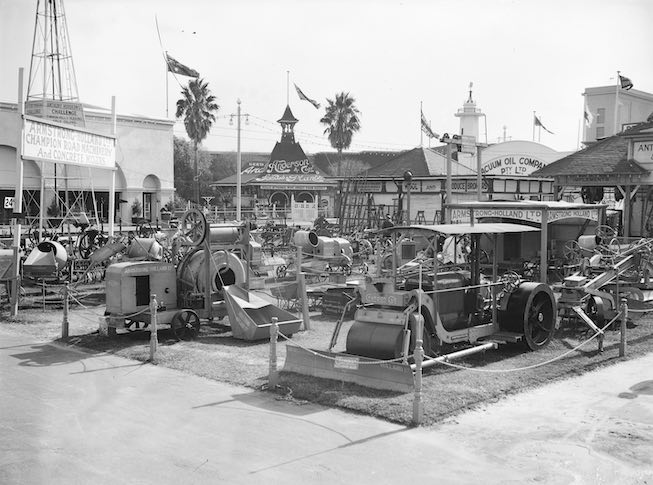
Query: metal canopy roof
x=478 y=228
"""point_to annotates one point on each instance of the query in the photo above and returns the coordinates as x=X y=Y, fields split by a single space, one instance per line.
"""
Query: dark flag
x=539 y=123
x=303 y=97
x=626 y=83
x=178 y=68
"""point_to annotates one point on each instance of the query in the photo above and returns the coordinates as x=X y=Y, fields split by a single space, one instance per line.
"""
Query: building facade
x=610 y=108
x=144 y=174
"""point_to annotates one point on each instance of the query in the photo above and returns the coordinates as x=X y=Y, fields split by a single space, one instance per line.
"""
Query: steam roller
x=462 y=310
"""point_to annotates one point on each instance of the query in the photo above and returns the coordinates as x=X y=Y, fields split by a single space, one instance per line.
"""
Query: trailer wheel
x=531 y=310
x=185 y=325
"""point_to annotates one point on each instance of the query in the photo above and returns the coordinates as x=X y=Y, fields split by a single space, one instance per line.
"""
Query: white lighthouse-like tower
x=469 y=116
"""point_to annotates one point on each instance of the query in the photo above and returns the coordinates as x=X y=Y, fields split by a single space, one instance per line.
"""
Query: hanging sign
x=57 y=143
x=66 y=112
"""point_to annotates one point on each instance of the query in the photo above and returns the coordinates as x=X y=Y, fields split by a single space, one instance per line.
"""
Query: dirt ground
x=447 y=391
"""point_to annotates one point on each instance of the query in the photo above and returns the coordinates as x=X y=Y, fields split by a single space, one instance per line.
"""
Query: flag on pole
x=539 y=123
x=626 y=83
x=178 y=68
x=303 y=97
x=589 y=118
x=426 y=128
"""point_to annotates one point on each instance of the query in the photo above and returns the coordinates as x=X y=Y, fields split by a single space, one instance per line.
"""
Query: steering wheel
x=510 y=280
x=605 y=233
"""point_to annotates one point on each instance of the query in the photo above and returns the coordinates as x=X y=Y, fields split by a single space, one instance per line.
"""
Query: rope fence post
x=418 y=355
x=154 y=338
x=273 y=374
x=624 y=319
x=64 y=322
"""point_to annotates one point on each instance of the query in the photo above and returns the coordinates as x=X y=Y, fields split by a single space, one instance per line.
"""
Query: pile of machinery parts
x=463 y=310
x=211 y=279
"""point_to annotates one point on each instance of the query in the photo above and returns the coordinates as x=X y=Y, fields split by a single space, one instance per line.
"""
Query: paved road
x=67 y=417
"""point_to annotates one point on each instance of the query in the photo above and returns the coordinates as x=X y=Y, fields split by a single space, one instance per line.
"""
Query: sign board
x=531 y=215
x=53 y=142
x=468 y=144
x=66 y=112
x=9 y=202
x=512 y=165
x=643 y=153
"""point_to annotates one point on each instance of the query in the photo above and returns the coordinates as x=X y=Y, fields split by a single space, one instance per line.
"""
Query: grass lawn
x=215 y=354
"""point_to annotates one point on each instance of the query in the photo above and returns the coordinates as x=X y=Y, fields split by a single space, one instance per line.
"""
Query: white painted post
x=418 y=354
x=273 y=374
x=154 y=340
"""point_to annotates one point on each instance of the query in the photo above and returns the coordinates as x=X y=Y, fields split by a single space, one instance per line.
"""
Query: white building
x=144 y=160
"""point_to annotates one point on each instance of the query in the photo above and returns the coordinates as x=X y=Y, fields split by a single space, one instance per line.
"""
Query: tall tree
x=342 y=120
x=198 y=107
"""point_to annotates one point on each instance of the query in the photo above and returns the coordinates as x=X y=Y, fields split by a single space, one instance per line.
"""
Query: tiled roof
x=607 y=156
x=422 y=162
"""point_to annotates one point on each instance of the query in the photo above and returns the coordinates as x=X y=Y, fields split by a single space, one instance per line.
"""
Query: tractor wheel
x=185 y=325
x=531 y=311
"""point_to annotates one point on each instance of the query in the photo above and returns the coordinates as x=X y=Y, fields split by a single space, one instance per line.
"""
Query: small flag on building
x=626 y=83
x=426 y=128
x=539 y=123
x=303 y=97
x=178 y=68
x=589 y=118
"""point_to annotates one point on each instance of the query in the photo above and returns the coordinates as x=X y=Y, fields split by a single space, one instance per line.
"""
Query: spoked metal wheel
x=540 y=322
x=185 y=325
x=194 y=227
x=88 y=243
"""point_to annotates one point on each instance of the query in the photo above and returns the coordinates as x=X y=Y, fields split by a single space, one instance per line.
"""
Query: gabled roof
x=607 y=156
x=422 y=162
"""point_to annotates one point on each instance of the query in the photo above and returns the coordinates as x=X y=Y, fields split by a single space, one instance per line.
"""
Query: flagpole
x=616 y=103
x=166 y=66
x=578 y=136
x=288 y=88
x=533 y=126
x=421 y=131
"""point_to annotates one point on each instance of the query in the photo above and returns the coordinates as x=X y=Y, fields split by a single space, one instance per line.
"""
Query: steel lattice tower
x=51 y=70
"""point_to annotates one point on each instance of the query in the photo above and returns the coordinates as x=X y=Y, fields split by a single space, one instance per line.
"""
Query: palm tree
x=342 y=121
x=198 y=107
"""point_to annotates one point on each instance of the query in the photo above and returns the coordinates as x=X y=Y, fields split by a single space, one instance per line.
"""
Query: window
x=600 y=132
x=600 y=116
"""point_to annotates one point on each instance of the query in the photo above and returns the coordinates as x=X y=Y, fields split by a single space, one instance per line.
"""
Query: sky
x=521 y=55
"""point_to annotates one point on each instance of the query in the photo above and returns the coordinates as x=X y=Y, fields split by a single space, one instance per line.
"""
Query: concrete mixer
x=329 y=254
x=211 y=280
x=46 y=261
x=463 y=310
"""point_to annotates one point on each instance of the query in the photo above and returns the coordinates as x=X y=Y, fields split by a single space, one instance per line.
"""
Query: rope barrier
x=534 y=366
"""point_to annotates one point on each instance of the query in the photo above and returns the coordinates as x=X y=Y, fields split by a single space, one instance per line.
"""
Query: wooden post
x=418 y=355
x=273 y=375
x=153 y=330
x=624 y=319
x=64 y=323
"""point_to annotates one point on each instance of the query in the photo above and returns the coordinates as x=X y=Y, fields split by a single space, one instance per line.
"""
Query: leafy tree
x=198 y=108
x=342 y=121
x=184 y=174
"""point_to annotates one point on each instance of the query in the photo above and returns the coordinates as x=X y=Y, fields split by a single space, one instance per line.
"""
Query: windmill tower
x=52 y=89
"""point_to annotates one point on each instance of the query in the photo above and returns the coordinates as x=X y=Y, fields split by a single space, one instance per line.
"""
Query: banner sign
x=531 y=215
x=50 y=142
x=66 y=112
